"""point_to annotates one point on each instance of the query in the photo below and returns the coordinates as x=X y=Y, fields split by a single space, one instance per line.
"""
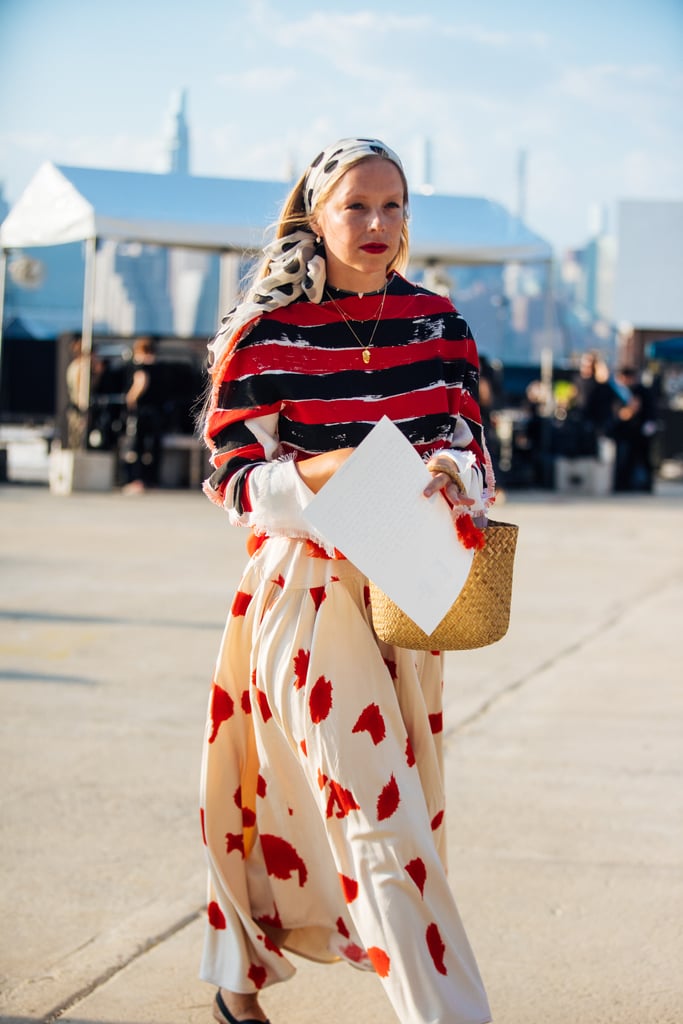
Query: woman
x=144 y=401
x=322 y=783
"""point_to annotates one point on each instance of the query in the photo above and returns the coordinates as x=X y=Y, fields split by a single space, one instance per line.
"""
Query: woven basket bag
x=481 y=613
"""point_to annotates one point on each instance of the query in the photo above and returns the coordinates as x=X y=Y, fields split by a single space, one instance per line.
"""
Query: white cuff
x=277 y=496
x=471 y=476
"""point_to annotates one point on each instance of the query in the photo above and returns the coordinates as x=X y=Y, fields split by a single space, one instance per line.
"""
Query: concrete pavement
x=564 y=765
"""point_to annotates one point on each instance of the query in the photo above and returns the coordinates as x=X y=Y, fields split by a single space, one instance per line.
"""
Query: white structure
x=69 y=204
x=649 y=272
x=229 y=216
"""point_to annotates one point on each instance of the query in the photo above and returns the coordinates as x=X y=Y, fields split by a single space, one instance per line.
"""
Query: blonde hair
x=293 y=216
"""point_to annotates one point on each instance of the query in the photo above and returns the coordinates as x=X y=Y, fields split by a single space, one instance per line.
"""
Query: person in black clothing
x=594 y=404
x=144 y=401
x=633 y=431
x=488 y=400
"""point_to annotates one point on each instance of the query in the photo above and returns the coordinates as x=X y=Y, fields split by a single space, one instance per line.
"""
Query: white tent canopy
x=71 y=204
x=227 y=215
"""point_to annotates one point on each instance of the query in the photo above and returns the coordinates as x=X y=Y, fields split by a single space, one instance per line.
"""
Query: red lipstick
x=374 y=247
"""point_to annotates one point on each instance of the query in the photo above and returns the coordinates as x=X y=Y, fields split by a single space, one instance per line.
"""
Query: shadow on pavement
x=70 y=1020
x=19 y=676
x=106 y=620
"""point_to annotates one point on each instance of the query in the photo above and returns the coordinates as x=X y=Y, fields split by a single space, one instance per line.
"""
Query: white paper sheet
x=373 y=510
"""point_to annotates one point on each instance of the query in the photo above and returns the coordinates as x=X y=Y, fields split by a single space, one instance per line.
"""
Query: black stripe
x=317 y=437
x=250 y=392
x=265 y=389
x=321 y=438
x=238 y=490
x=224 y=472
x=237 y=435
x=336 y=335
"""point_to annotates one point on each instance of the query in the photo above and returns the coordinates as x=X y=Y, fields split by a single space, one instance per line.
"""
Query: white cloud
x=519 y=39
x=321 y=30
x=372 y=45
x=263 y=79
x=626 y=90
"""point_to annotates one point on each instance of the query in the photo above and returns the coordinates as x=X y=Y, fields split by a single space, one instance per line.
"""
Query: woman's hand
x=445 y=477
x=316 y=471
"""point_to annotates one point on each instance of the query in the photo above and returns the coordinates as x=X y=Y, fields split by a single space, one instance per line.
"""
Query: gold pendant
x=366 y=356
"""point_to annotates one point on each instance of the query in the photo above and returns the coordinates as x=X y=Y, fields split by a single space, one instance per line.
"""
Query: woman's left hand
x=445 y=477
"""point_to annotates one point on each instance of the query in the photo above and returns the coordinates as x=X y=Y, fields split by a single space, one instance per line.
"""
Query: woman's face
x=361 y=223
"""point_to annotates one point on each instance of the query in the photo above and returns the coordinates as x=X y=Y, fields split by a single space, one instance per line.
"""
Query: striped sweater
x=297 y=384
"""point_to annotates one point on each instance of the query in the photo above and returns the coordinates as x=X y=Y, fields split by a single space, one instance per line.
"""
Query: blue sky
x=593 y=92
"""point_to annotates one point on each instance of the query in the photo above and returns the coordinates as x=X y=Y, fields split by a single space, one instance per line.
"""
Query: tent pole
x=547 y=356
x=549 y=318
x=87 y=329
x=228 y=281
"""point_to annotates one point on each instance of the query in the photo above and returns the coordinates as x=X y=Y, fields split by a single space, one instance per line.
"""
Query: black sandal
x=225 y=1016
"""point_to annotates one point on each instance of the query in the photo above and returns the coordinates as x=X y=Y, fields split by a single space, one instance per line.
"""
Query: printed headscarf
x=339 y=154
x=296 y=262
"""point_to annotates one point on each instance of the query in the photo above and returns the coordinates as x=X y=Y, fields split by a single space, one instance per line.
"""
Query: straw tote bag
x=481 y=613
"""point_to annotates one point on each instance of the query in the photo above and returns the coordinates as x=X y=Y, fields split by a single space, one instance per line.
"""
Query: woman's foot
x=237 y=1008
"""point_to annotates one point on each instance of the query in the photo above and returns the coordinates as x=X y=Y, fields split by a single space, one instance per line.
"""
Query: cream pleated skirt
x=322 y=799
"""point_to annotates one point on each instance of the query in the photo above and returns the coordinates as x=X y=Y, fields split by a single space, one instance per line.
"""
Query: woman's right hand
x=317 y=470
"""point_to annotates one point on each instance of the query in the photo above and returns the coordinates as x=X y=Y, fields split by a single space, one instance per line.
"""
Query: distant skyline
x=591 y=94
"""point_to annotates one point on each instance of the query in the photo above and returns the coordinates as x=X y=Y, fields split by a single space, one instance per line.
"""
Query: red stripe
x=311 y=360
x=311 y=314
x=248 y=451
x=355 y=410
x=422 y=449
x=477 y=452
x=469 y=408
x=246 y=499
x=222 y=418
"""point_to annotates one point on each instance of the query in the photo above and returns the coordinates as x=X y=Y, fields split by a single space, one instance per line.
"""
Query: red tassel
x=469 y=535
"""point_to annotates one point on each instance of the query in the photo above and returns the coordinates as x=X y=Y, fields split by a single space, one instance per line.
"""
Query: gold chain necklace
x=366 y=347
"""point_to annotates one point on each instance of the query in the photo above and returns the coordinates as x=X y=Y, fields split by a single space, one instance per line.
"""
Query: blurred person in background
x=144 y=419
x=488 y=403
x=593 y=403
x=635 y=426
x=78 y=416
